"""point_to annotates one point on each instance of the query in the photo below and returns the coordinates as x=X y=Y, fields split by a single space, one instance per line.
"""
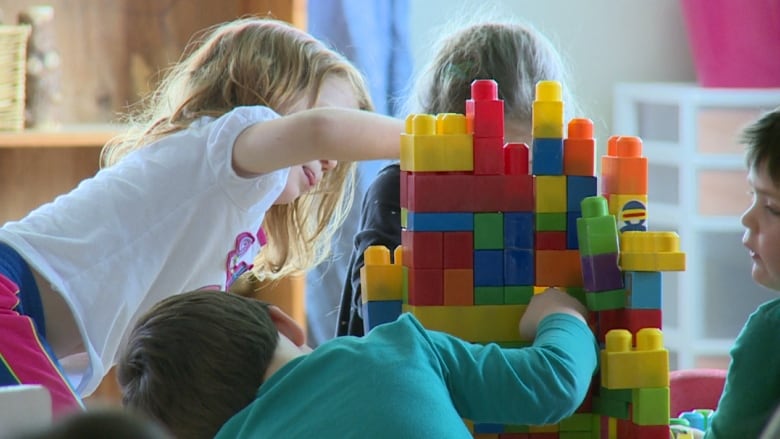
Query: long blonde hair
x=255 y=61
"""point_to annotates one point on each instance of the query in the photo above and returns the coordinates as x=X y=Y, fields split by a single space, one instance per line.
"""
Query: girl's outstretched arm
x=316 y=134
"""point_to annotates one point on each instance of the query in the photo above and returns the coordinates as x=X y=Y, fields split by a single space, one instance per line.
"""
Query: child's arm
x=550 y=301
x=316 y=134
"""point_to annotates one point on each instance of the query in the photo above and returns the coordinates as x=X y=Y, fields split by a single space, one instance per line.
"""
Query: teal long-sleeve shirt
x=402 y=381
x=752 y=390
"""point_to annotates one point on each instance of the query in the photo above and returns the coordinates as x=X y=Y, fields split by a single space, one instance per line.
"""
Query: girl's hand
x=550 y=301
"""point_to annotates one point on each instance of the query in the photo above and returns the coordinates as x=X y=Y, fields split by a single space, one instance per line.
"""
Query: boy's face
x=762 y=227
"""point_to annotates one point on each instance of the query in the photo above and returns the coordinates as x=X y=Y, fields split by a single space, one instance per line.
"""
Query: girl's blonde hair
x=515 y=55
x=255 y=61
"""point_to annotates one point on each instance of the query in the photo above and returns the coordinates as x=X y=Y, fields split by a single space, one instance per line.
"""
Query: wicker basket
x=13 y=54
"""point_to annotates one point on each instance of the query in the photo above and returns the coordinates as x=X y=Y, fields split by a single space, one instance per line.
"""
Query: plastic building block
x=579 y=148
x=625 y=368
x=516 y=159
x=551 y=193
x=551 y=241
x=547 y=111
x=572 y=238
x=519 y=230
x=579 y=188
x=488 y=295
x=518 y=294
x=601 y=272
x=650 y=406
x=651 y=251
x=644 y=289
x=458 y=250
x=439 y=143
x=548 y=156
x=551 y=221
x=605 y=300
x=377 y=312
x=596 y=228
x=468 y=322
x=630 y=212
x=488 y=268
x=425 y=286
x=422 y=249
x=519 y=266
x=625 y=172
x=488 y=231
x=488 y=155
x=440 y=222
x=558 y=268
x=458 y=287
x=379 y=278
x=484 y=111
x=428 y=192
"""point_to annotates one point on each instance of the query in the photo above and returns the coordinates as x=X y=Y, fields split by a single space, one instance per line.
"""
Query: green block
x=578 y=293
x=510 y=428
x=650 y=406
x=518 y=295
x=488 y=231
x=611 y=407
x=622 y=395
x=404 y=217
x=488 y=295
x=597 y=236
x=576 y=435
x=603 y=300
x=576 y=423
x=550 y=222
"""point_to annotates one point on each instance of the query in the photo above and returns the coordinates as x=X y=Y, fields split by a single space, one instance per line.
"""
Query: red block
x=631 y=319
x=516 y=159
x=484 y=111
x=458 y=250
x=489 y=155
x=426 y=286
x=550 y=241
x=422 y=249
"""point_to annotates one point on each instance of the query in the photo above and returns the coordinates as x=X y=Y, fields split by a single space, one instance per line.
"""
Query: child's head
x=256 y=61
x=516 y=56
x=100 y=424
x=762 y=219
x=196 y=359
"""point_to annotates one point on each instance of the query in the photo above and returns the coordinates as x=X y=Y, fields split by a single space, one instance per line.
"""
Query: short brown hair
x=762 y=143
x=196 y=359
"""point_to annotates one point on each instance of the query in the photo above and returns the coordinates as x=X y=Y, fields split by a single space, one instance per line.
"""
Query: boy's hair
x=515 y=55
x=196 y=359
x=762 y=142
x=255 y=61
x=99 y=424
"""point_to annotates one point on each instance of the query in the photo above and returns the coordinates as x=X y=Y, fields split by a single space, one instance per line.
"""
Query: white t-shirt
x=168 y=218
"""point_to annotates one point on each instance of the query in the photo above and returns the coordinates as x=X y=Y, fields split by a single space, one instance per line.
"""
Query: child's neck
x=286 y=351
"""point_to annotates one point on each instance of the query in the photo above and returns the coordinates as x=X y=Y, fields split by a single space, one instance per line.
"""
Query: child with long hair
x=240 y=161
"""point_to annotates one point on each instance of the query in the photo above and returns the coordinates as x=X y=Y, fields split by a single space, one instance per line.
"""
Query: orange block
x=579 y=148
x=558 y=268
x=623 y=169
x=459 y=287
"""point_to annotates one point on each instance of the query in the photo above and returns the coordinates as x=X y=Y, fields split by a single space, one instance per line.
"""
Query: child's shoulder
x=770 y=310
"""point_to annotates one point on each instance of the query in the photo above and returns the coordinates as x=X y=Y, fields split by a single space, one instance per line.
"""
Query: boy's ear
x=287 y=325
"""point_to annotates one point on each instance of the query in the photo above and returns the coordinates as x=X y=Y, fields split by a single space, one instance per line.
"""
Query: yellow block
x=551 y=193
x=651 y=251
x=379 y=278
x=548 y=111
x=436 y=144
x=645 y=366
x=480 y=324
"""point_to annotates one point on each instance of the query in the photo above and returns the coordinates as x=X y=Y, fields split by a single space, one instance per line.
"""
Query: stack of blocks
x=481 y=234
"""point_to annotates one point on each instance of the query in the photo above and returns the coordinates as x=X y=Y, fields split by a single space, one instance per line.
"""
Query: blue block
x=481 y=428
x=644 y=289
x=440 y=222
x=519 y=267
x=578 y=188
x=572 y=242
x=519 y=230
x=376 y=312
x=488 y=268
x=547 y=157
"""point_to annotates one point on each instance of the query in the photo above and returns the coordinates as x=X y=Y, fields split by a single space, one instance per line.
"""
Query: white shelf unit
x=697 y=187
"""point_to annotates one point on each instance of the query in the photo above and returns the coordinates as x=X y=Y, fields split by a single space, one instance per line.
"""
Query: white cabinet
x=697 y=187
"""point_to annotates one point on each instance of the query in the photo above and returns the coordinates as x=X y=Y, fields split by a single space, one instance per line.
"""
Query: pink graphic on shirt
x=235 y=266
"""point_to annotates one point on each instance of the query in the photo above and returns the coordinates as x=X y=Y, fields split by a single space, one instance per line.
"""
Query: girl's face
x=762 y=228
x=335 y=92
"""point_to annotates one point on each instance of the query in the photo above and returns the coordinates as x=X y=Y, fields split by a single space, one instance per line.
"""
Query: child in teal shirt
x=208 y=364
x=752 y=390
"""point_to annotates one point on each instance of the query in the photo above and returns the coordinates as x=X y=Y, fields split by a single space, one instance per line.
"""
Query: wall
x=604 y=41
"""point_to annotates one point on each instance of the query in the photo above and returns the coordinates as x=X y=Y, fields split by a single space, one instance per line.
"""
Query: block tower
x=483 y=230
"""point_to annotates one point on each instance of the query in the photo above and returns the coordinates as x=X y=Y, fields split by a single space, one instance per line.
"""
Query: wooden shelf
x=70 y=136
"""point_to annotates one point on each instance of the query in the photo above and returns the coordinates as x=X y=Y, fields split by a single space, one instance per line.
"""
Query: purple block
x=601 y=272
